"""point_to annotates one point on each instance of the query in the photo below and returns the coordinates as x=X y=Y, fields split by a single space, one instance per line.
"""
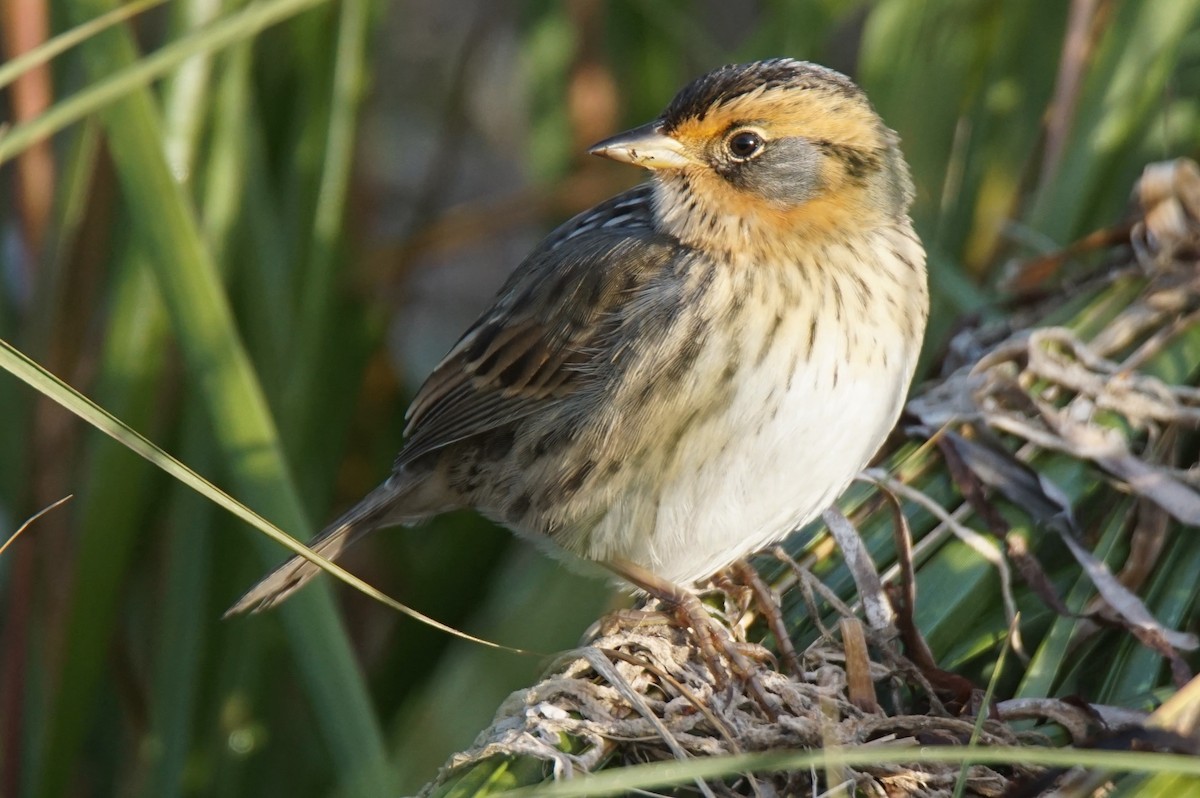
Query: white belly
x=778 y=457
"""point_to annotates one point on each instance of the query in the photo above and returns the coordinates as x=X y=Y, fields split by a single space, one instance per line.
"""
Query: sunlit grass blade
x=985 y=707
x=138 y=73
x=14 y=362
x=662 y=774
x=15 y=67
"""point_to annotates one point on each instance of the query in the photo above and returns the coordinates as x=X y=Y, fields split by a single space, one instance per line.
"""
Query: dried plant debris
x=639 y=693
x=1054 y=392
x=1163 y=225
x=1012 y=395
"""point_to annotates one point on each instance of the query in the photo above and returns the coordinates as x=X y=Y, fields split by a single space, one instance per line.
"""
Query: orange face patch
x=813 y=114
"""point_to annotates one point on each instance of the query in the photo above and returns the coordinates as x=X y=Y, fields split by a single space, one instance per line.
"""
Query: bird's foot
x=724 y=656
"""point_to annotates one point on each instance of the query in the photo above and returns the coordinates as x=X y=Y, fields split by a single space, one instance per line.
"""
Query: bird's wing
x=537 y=342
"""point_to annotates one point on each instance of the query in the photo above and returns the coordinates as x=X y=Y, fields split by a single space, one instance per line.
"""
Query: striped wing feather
x=547 y=331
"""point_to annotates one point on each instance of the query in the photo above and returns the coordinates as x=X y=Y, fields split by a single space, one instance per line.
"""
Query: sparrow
x=693 y=369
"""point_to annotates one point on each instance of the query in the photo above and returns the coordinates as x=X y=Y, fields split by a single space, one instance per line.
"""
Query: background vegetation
x=258 y=224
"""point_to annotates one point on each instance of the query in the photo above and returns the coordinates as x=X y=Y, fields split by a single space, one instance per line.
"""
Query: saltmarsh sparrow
x=693 y=369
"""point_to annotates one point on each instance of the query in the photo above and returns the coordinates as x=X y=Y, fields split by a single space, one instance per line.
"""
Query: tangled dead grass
x=639 y=693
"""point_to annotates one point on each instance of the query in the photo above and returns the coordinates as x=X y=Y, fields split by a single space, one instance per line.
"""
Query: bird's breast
x=796 y=375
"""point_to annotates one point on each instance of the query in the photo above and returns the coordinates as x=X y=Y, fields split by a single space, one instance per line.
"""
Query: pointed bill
x=644 y=146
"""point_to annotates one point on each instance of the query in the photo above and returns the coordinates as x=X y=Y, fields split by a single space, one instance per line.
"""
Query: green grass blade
x=186 y=94
x=319 y=284
x=15 y=67
x=1135 y=64
x=192 y=292
x=660 y=774
x=180 y=645
x=109 y=514
x=20 y=366
x=241 y=218
x=135 y=74
x=179 y=649
x=986 y=707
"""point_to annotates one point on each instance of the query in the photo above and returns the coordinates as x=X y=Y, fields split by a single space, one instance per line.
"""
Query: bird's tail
x=376 y=509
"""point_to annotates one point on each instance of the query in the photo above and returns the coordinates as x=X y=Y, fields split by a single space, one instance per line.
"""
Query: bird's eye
x=744 y=145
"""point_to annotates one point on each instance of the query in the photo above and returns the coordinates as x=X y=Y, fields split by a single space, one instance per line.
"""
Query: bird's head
x=771 y=148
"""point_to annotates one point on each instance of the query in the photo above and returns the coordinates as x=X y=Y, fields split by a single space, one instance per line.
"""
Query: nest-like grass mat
x=641 y=692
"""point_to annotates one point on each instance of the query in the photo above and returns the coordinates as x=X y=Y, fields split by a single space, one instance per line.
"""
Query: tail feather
x=375 y=510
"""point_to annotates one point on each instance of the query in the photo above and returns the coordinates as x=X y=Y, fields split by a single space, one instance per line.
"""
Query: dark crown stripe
x=733 y=80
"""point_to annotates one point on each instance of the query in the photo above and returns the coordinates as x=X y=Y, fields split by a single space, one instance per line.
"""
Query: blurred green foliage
x=210 y=274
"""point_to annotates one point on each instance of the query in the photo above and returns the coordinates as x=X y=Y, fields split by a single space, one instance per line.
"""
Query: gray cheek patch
x=787 y=173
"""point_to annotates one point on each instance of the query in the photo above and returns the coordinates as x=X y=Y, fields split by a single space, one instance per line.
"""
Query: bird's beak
x=644 y=146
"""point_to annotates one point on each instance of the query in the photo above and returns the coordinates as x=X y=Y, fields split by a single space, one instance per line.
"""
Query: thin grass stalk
x=47 y=51
x=22 y=720
x=138 y=73
x=109 y=515
x=319 y=284
x=241 y=218
x=180 y=641
x=664 y=774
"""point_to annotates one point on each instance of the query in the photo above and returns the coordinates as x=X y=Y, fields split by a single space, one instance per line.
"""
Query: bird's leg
x=743 y=573
x=709 y=635
x=682 y=605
